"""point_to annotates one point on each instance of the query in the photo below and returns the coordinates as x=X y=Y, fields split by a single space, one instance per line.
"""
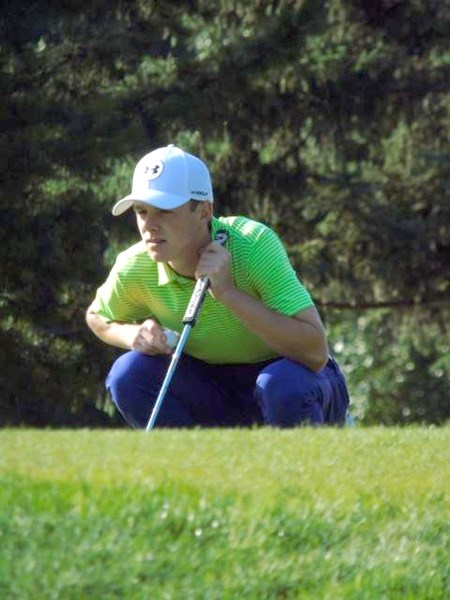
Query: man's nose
x=151 y=223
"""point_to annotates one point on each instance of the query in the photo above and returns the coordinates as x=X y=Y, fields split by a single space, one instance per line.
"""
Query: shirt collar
x=167 y=275
x=215 y=226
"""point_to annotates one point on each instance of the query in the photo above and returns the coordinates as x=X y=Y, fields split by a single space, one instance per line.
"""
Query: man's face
x=173 y=236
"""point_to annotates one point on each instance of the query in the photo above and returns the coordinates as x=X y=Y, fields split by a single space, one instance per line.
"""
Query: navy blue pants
x=281 y=393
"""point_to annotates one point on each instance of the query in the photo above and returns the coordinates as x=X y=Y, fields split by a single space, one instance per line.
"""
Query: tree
x=327 y=120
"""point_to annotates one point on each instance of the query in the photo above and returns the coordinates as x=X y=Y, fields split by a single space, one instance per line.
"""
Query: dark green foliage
x=329 y=121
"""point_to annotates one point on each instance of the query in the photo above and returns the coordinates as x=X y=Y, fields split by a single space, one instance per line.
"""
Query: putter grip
x=201 y=287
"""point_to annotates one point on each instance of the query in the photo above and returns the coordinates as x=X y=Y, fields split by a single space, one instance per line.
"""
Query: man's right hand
x=150 y=339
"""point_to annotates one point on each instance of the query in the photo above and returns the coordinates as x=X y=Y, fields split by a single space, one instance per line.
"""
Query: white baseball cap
x=167 y=178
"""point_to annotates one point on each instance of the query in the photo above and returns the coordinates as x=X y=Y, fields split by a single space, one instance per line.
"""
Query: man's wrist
x=229 y=297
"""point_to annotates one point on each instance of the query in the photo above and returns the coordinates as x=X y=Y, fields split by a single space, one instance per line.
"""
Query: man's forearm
x=296 y=338
x=116 y=334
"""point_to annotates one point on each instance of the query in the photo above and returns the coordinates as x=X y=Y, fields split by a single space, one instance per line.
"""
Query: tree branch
x=386 y=304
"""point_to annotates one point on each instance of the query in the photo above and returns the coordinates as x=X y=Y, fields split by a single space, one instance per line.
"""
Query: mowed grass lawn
x=351 y=513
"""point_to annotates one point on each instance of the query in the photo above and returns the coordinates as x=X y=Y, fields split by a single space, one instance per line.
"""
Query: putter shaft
x=189 y=319
x=168 y=378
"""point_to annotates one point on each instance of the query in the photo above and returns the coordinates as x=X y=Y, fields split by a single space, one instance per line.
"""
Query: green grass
x=324 y=514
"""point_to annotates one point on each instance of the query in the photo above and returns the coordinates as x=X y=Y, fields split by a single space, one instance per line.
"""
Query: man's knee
x=133 y=369
x=132 y=382
x=289 y=394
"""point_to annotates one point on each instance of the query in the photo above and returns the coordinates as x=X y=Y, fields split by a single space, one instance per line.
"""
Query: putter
x=189 y=319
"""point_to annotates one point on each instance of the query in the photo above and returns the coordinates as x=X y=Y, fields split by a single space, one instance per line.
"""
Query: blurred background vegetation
x=327 y=120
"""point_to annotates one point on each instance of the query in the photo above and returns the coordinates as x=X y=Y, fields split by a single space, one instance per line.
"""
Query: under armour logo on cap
x=153 y=170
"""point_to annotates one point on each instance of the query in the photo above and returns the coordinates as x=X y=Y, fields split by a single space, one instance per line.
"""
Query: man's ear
x=206 y=211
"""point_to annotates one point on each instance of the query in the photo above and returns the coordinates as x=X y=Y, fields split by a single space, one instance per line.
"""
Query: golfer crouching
x=258 y=353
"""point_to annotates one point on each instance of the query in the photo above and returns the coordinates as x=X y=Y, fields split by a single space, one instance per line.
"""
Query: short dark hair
x=194 y=203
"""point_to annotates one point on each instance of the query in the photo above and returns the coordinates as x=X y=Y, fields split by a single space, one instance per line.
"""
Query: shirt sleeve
x=273 y=277
x=114 y=299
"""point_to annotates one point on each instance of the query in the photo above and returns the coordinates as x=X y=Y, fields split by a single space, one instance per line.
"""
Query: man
x=258 y=352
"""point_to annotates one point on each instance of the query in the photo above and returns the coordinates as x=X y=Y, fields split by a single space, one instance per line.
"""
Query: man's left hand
x=215 y=263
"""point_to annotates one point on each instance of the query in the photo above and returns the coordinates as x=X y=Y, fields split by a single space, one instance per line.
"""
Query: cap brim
x=157 y=199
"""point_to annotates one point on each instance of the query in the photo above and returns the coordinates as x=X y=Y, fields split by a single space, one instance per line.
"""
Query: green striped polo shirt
x=139 y=288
